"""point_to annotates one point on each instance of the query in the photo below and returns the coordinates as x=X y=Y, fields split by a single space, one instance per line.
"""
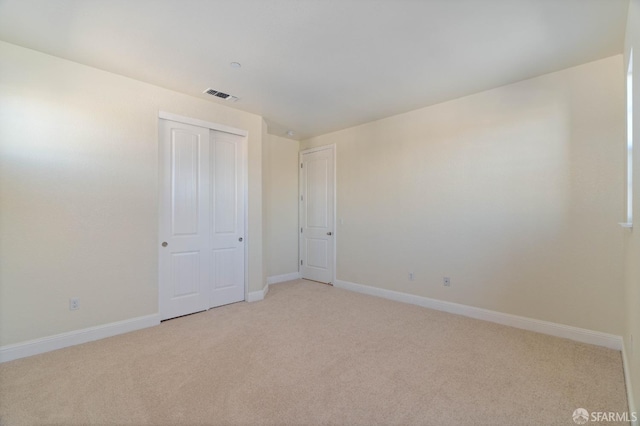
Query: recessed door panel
x=224 y=268
x=317 y=192
x=185 y=167
x=225 y=185
x=317 y=251
x=185 y=273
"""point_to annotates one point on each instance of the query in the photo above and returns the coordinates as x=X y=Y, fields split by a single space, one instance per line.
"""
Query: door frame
x=164 y=115
x=335 y=206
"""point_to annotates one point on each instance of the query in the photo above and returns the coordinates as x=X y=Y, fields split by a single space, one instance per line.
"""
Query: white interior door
x=227 y=219
x=317 y=214
x=184 y=219
x=202 y=210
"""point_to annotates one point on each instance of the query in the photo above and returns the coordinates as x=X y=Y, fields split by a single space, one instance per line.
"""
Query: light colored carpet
x=311 y=354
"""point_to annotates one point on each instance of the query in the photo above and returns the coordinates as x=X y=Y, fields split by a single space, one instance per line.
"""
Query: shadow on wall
x=513 y=193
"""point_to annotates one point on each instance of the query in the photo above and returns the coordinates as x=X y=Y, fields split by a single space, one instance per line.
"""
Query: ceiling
x=315 y=66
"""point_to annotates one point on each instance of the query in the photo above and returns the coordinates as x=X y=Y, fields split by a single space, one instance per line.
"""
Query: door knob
x=240 y=239
x=329 y=233
x=164 y=244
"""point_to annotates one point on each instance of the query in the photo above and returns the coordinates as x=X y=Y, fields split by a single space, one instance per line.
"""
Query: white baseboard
x=76 y=337
x=628 y=383
x=545 y=327
x=256 y=296
x=282 y=278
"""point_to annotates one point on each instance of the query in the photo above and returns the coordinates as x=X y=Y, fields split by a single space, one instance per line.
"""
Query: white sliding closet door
x=201 y=219
x=227 y=219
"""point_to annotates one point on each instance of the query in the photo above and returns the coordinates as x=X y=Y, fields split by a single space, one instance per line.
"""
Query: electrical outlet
x=446 y=281
x=74 y=304
x=411 y=277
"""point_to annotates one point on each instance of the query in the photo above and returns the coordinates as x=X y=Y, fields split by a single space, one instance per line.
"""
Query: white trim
x=256 y=296
x=317 y=149
x=626 y=224
x=598 y=338
x=336 y=233
x=245 y=171
x=627 y=380
x=275 y=279
x=201 y=123
x=76 y=337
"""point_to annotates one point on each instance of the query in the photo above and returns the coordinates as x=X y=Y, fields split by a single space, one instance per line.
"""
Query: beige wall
x=78 y=193
x=514 y=193
x=632 y=237
x=282 y=206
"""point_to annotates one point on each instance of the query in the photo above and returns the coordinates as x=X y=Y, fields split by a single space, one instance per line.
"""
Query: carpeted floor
x=312 y=354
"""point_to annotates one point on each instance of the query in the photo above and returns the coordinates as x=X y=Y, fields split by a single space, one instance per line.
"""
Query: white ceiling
x=315 y=66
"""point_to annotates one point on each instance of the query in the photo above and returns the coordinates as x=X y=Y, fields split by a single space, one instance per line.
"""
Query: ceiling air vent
x=221 y=95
